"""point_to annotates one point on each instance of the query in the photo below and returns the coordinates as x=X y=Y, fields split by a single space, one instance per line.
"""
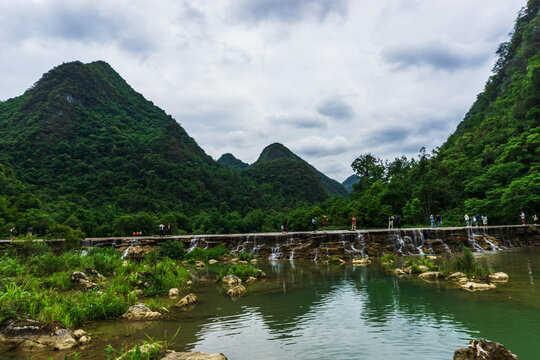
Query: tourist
x=477 y=219
x=484 y=220
x=398 y=221
x=12 y=232
x=535 y=219
x=390 y=222
x=314 y=223
x=284 y=226
x=432 y=219
x=161 y=229
x=522 y=215
x=473 y=220
x=353 y=227
x=466 y=220
x=29 y=231
x=439 y=220
x=324 y=222
x=168 y=229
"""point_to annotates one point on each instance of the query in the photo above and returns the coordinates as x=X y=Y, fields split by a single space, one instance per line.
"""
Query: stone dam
x=320 y=245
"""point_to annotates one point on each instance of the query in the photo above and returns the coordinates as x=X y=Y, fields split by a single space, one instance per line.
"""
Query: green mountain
x=287 y=172
x=350 y=181
x=229 y=161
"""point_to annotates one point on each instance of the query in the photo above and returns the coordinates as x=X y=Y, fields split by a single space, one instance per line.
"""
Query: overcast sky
x=330 y=79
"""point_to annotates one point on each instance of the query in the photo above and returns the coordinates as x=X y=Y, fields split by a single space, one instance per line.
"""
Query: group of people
x=522 y=216
x=474 y=220
x=436 y=221
x=162 y=229
x=12 y=232
x=391 y=220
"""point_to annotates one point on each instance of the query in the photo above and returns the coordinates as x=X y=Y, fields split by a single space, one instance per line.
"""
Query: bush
x=197 y=254
x=172 y=249
x=388 y=258
x=103 y=260
x=466 y=263
x=217 y=252
x=245 y=256
x=243 y=271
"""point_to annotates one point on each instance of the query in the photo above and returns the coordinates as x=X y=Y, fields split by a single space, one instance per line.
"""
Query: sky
x=329 y=79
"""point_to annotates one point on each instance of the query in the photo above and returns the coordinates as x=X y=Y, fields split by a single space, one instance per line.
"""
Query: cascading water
x=131 y=244
x=472 y=240
x=291 y=255
x=493 y=246
x=193 y=244
x=276 y=253
x=420 y=247
x=360 y=238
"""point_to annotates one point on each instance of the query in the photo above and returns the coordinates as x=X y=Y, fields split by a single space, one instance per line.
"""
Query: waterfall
x=291 y=255
x=193 y=244
x=316 y=254
x=493 y=246
x=472 y=240
x=276 y=253
x=362 y=241
x=131 y=243
x=420 y=247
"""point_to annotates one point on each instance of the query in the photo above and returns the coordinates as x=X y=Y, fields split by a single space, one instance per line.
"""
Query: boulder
x=141 y=312
x=499 y=277
x=137 y=252
x=189 y=283
x=187 y=300
x=174 y=292
x=200 y=265
x=253 y=261
x=484 y=350
x=456 y=276
x=98 y=276
x=251 y=280
x=389 y=262
x=85 y=340
x=423 y=268
x=243 y=262
x=399 y=272
x=472 y=286
x=137 y=292
x=231 y=280
x=430 y=275
x=144 y=349
x=82 y=337
x=236 y=291
x=212 y=261
x=261 y=275
x=192 y=355
x=361 y=262
x=81 y=280
x=34 y=335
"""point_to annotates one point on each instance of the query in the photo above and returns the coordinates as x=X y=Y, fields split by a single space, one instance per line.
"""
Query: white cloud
x=331 y=79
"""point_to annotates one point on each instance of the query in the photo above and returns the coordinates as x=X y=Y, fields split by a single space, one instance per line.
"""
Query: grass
x=466 y=263
x=416 y=263
x=243 y=271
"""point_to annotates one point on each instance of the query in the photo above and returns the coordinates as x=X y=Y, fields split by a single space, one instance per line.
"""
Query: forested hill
x=491 y=164
x=280 y=167
x=229 y=161
x=89 y=151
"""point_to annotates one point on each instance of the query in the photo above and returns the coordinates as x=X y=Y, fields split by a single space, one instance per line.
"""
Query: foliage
x=243 y=271
x=172 y=249
x=467 y=264
x=386 y=258
x=245 y=256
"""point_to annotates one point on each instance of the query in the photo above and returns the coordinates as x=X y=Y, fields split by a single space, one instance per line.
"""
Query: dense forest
x=81 y=148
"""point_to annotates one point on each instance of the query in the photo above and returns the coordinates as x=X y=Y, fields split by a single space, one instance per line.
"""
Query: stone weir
x=343 y=244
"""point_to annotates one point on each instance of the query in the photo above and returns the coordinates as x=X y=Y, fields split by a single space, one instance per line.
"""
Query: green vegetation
x=245 y=256
x=230 y=162
x=388 y=258
x=416 y=263
x=466 y=263
x=243 y=271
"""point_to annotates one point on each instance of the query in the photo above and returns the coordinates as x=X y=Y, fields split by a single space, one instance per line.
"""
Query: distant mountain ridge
x=229 y=161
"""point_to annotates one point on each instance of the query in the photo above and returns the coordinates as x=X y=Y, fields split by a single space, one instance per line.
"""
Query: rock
x=408 y=270
x=389 y=262
x=430 y=275
x=187 y=300
x=484 y=350
x=200 y=265
x=145 y=351
x=174 y=292
x=261 y=275
x=399 y=272
x=456 y=276
x=148 y=284
x=499 y=277
x=189 y=283
x=243 y=262
x=81 y=280
x=97 y=275
x=236 y=291
x=212 y=261
x=125 y=263
x=250 y=280
x=192 y=355
x=85 y=340
x=472 y=286
x=253 y=261
x=77 y=334
x=137 y=292
x=141 y=312
x=138 y=252
x=231 y=280
x=431 y=257
x=361 y=262
x=34 y=335
x=423 y=268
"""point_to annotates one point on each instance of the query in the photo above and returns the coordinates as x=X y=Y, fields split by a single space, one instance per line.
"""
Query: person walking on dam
x=161 y=229
x=432 y=219
x=390 y=222
x=353 y=226
x=522 y=215
x=314 y=223
x=466 y=220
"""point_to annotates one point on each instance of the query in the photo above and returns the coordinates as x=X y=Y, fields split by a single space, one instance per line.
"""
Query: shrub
x=217 y=252
x=243 y=271
x=197 y=254
x=388 y=258
x=245 y=256
x=172 y=249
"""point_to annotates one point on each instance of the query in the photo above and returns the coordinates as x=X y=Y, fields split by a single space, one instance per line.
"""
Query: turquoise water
x=305 y=311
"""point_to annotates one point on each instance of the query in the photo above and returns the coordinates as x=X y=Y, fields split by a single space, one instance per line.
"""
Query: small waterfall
x=276 y=253
x=399 y=242
x=420 y=247
x=316 y=254
x=360 y=238
x=493 y=246
x=291 y=255
x=472 y=240
x=131 y=244
x=193 y=244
